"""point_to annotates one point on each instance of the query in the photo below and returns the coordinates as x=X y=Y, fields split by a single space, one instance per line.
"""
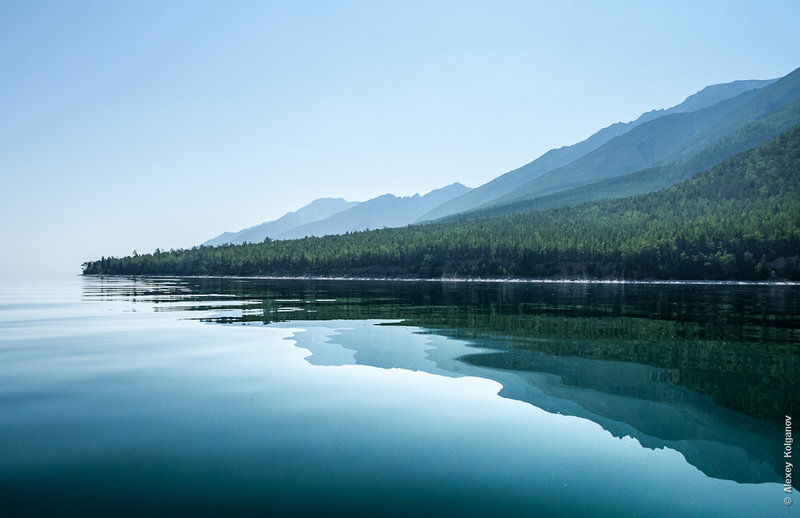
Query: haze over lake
x=125 y=396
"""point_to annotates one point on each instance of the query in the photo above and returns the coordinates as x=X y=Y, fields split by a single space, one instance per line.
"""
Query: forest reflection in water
x=706 y=369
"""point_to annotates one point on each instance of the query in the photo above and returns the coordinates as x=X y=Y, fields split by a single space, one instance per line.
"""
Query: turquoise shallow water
x=211 y=397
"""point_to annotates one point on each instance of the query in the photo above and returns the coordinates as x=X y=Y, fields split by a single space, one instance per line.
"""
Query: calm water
x=226 y=397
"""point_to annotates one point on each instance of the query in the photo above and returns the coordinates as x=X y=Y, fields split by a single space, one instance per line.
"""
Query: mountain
x=316 y=210
x=387 y=210
x=711 y=95
x=652 y=136
x=656 y=178
x=737 y=220
x=556 y=158
x=662 y=141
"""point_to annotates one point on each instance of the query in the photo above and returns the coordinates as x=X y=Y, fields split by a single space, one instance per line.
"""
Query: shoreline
x=699 y=282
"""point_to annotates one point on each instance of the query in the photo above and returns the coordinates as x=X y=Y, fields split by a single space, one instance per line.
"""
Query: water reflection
x=707 y=370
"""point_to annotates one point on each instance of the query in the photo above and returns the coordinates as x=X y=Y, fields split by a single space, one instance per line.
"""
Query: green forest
x=740 y=220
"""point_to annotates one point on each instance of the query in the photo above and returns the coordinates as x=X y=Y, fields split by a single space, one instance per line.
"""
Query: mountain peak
x=318 y=209
x=386 y=210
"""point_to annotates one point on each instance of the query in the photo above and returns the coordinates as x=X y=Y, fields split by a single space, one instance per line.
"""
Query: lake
x=258 y=397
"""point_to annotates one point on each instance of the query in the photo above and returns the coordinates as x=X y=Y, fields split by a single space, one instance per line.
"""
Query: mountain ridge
x=739 y=220
x=318 y=209
x=564 y=155
x=692 y=131
x=656 y=178
x=386 y=210
x=508 y=189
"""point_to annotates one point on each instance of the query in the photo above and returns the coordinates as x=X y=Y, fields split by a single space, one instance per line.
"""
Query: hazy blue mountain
x=784 y=91
x=652 y=141
x=387 y=210
x=737 y=220
x=653 y=179
x=662 y=141
x=316 y=210
x=556 y=158
x=711 y=95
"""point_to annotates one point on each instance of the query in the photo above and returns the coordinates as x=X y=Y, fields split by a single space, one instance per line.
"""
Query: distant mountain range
x=556 y=158
x=739 y=220
x=658 y=149
x=661 y=151
x=336 y=216
x=316 y=210
x=654 y=178
x=387 y=210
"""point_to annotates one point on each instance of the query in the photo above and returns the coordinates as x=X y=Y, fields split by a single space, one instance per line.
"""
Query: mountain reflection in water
x=708 y=370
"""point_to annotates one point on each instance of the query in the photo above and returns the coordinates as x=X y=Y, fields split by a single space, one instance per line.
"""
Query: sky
x=132 y=125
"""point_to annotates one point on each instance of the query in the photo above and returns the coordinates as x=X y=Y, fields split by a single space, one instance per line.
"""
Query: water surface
x=263 y=397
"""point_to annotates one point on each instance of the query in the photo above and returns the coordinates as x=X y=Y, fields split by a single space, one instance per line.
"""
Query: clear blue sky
x=141 y=124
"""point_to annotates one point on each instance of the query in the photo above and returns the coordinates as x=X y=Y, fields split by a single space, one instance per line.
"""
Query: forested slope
x=663 y=141
x=739 y=220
